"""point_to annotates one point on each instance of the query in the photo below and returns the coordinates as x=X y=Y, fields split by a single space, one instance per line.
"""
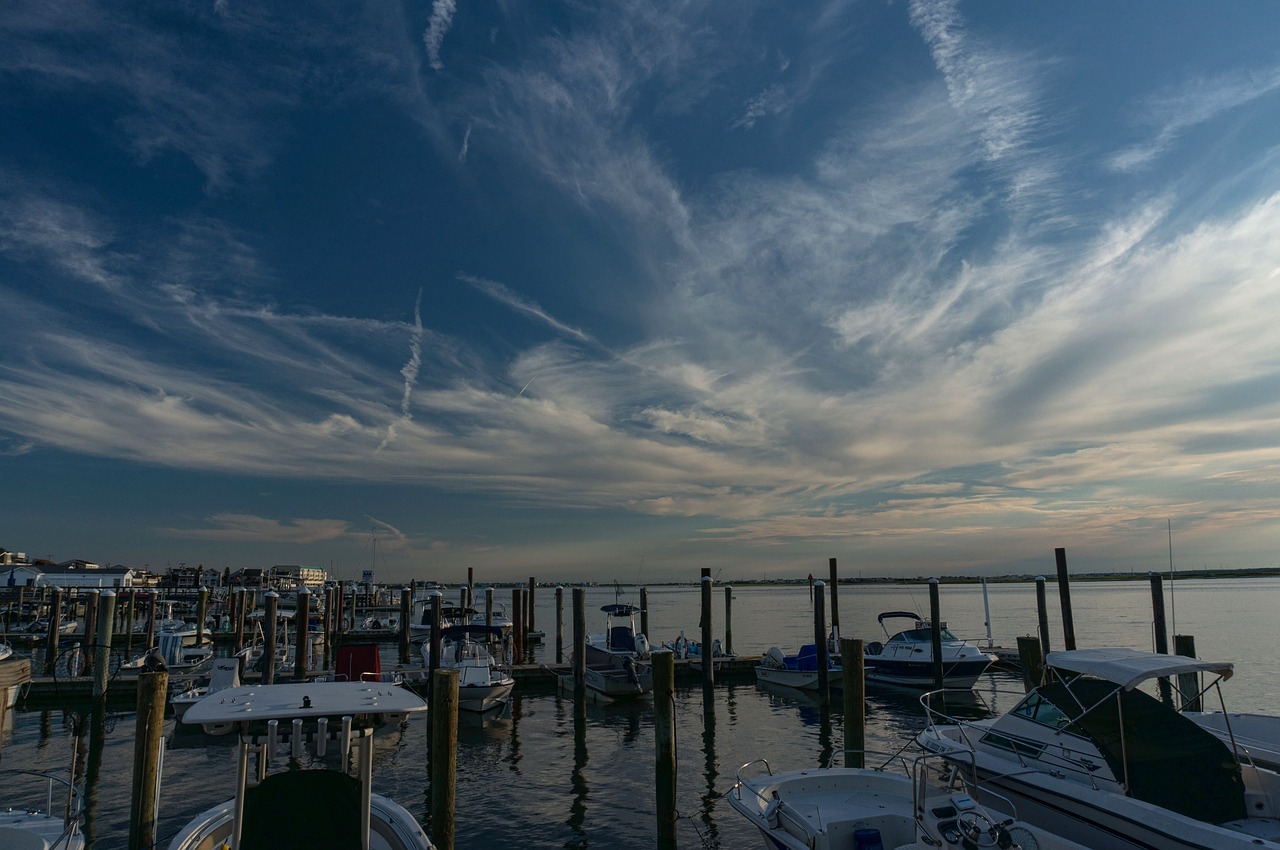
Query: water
x=529 y=776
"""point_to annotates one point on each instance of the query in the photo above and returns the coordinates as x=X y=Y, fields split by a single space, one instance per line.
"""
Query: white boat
x=1090 y=756
x=318 y=807
x=170 y=649
x=43 y=815
x=481 y=684
x=799 y=671
x=225 y=674
x=1255 y=737
x=906 y=657
x=499 y=618
x=617 y=661
x=876 y=809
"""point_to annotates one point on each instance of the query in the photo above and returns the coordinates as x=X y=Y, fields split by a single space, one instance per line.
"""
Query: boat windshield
x=1036 y=708
x=922 y=635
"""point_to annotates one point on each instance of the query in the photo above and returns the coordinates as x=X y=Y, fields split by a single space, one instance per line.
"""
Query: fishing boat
x=683 y=648
x=318 y=807
x=498 y=617
x=906 y=657
x=1090 y=756
x=481 y=684
x=171 y=651
x=617 y=661
x=876 y=809
x=799 y=671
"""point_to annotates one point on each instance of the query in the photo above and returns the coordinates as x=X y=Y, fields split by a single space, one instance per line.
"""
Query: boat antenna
x=1173 y=604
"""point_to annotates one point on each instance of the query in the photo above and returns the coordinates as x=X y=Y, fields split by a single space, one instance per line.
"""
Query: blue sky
x=622 y=290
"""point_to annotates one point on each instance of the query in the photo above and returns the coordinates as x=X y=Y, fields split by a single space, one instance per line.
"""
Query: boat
x=906 y=657
x=481 y=685
x=44 y=814
x=799 y=671
x=1255 y=737
x=683 y=648
x=171 y=651
x=499 y=618
x=315 y=807
x=617 y=660
x=225 y=674
x=877 y=809
x=1090 y=756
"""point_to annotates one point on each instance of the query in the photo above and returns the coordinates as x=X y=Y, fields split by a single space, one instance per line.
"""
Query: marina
x=530 y=770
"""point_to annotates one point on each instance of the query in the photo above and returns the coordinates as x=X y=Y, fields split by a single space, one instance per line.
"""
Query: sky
x=620 y=291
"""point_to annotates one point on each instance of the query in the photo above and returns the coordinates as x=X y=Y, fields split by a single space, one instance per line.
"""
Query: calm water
x=530 y=776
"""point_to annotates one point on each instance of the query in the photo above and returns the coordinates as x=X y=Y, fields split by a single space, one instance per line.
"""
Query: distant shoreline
x=1049 y=577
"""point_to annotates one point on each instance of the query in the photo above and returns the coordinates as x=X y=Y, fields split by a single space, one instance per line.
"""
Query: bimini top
x=889 y=615
x=303 y=699
x=1129 y=668
x=620 y=609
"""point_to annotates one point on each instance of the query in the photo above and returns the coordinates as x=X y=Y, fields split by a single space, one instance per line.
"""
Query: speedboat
x=339 y=809
x=176 y=656
x=876 y=809
x=906 y=657
x=616 y=662
x=28 y=819
x=798 y=671
x=1090 y=756
x=481 y=685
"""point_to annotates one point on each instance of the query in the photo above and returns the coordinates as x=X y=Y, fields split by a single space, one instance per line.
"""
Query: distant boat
x=481 y=684
x=617 y=661
x=907 y=657
x=798 y=671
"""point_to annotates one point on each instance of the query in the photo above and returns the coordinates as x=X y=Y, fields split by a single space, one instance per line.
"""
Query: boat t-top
x=322 y=807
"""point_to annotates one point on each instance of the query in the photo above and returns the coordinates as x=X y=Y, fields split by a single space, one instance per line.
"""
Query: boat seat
x=302 y=810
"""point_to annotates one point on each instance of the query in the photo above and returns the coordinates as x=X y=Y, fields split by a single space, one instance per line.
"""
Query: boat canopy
x=471 y=630
x=1129 y=668
x=620 y=609
x=889 y=615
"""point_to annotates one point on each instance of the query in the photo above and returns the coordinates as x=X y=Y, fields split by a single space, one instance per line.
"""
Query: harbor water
x=530 y=775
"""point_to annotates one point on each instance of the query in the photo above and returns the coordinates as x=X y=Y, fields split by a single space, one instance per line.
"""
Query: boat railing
x=74 y=801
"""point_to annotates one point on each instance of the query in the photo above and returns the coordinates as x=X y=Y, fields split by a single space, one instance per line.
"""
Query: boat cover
x=302 y=810
x=1129 y=668
x=1172 y=762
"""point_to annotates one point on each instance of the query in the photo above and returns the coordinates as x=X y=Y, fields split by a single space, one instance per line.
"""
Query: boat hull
x=802 y=680
x=919 y=674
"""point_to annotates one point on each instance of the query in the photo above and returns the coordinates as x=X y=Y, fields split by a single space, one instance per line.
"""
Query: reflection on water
x=578 y=782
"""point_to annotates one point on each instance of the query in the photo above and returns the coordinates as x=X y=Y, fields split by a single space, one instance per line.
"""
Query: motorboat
x=1089 y=755
x=337 y=808
x=499 y=619
x=906 y=657
x=170 y=650
x=225 y=674
x=683 y=648
x=799 y=671
x=876 y=808
x=43 y=813
x=617 y=661
x=481 y=684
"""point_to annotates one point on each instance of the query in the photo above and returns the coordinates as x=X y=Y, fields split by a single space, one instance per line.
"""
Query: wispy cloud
x=503 y=295
x=246 y=528
x=442 y=12
x=771 y=101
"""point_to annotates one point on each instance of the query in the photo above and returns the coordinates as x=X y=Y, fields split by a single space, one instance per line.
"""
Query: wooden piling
x=339 y=608
x=1032 y=662
x=708 y=664
x=820 y=639
x=153 y=691
x=644 y=611
x=90 y=632
x=1188 y=683
x=579 y=654
x=239 y=597
x=444 y=755
x=852 y=663
x=1064 y=594
x=664 y=722
x=530 y=621
x=406 y=611
x=935 y=632
x=1042 y=614
x=433 y=656
x=517 y=624
x=488 y=607
x=1160 y=633
x=202 y=612
x=269 y=621
x=55 y=632
x=560 y=624
x=301 y=625
x=835 y=597
x=129 y=624
x=102 y=643
x=728 y=619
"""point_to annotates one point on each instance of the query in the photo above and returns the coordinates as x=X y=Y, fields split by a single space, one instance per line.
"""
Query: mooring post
x=530 y=622
x=153 y=601
x=90 y=632
x=1161 y=633
x=708 y=664
x=835 y=598
x=820 y=639
x=326 y=628
x=728 y=619
x=433 y=657
x=517 y=623
x=102 y=659
x=488 y=607
x=301 y=628
x=153 y=691
x=129 y=624
x=1042 y=614
x=1064 y=594
x=579 y=654
x=855 y=704
x=269 y=637
x=202 y=611
x=238 y=613
x=935 y=632
x=339 y=608
x=1188 y=683
x=644 y=611
x=559 y=624
x=55 y=631
x=406 y=611
x=444 y=755
x=1031 y=661
x=664 y=739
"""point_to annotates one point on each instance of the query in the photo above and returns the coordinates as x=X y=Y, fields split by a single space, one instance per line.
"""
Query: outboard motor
x=642 y=646
x=629 y=665
x=775 y=658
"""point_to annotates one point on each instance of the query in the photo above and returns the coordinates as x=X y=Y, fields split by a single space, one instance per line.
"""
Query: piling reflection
x=711 y=773
x=578 y=782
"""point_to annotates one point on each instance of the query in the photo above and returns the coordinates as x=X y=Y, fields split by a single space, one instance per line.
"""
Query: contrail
x=410 y=373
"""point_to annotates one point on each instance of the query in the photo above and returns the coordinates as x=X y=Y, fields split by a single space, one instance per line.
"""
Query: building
x=292 y=576
x=68 y=574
